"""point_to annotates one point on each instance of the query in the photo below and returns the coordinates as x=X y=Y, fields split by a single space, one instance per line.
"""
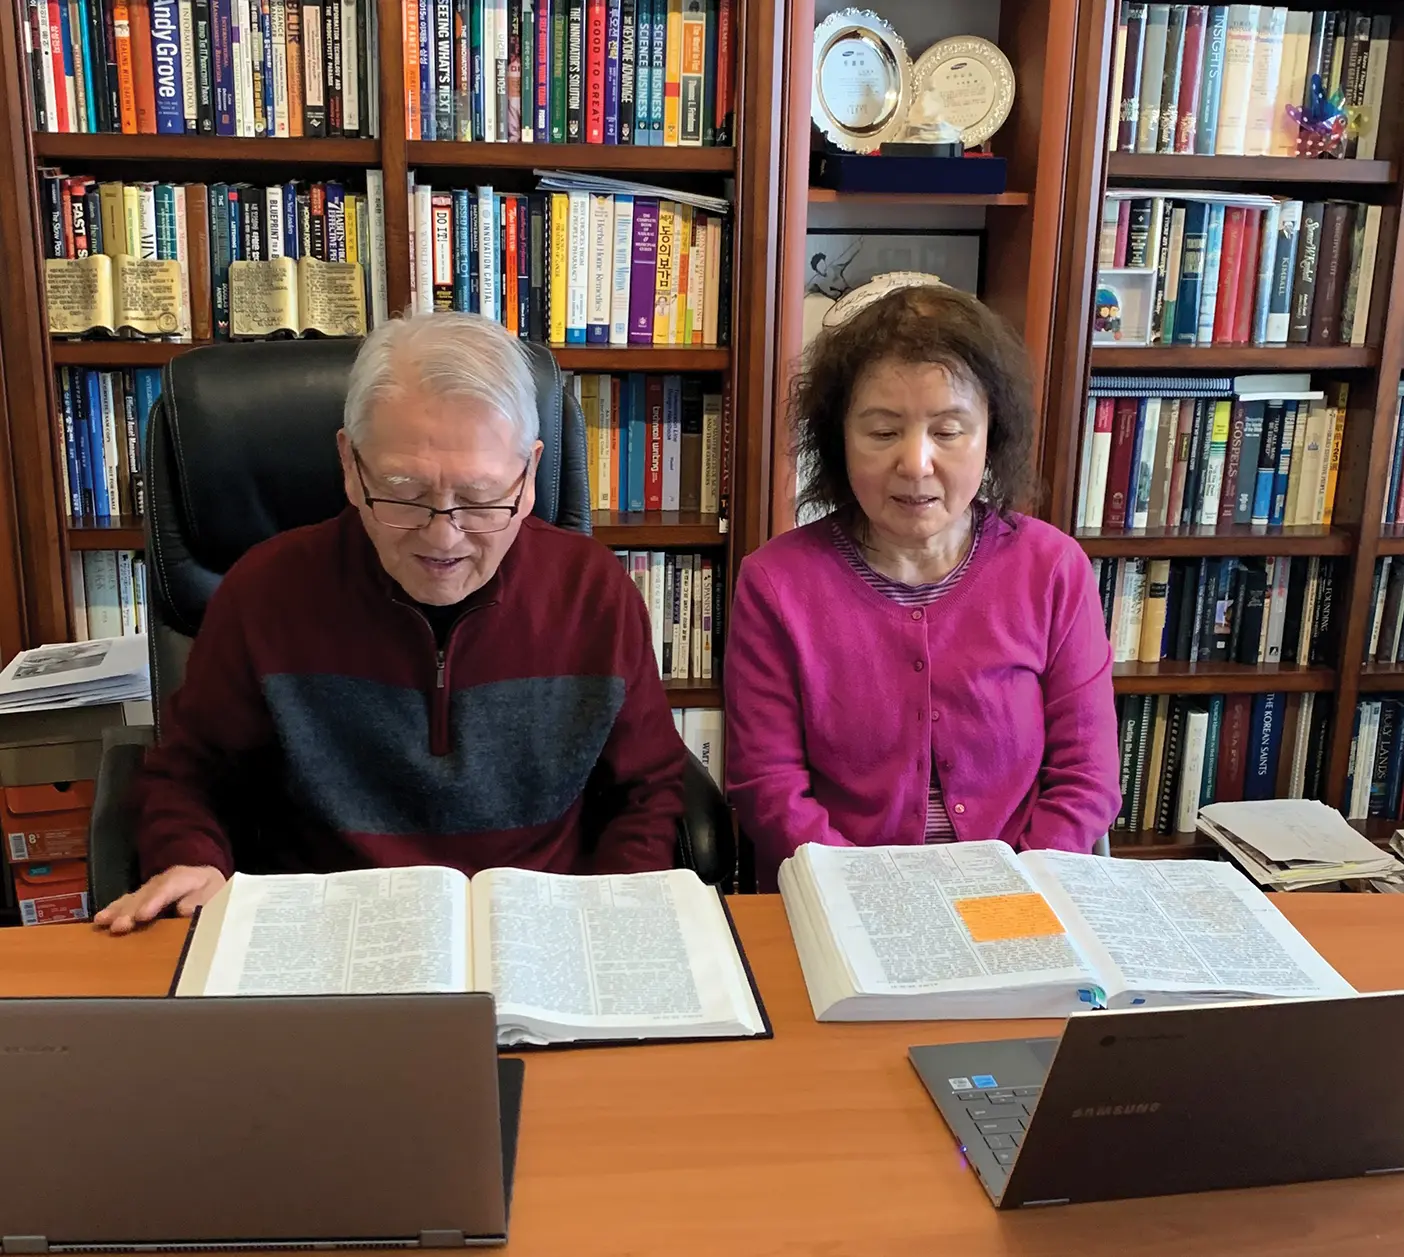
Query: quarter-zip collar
x=440 y=690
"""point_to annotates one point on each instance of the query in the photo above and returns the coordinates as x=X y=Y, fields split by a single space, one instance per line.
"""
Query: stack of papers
x=1287 y=844
x=583 y=181
x=77 y=674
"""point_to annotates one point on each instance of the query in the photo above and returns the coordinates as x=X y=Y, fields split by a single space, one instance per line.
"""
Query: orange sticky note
x=993 y=918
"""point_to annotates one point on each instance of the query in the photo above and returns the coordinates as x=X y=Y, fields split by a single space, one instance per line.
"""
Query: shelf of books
x=1181 y=541
x=1230 y=446
x=1259 y=170
x=1180 y=752
x=218 y=160
x=1375 y=776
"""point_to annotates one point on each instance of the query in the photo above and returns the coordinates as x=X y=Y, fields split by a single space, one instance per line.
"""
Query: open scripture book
x=623 y=957
x=971 y=929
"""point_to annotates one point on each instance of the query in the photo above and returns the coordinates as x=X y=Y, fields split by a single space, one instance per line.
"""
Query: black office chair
x=242 y=446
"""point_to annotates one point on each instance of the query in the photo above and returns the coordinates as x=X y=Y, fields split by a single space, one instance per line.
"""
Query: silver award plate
x=862 y=80
x=967 y=82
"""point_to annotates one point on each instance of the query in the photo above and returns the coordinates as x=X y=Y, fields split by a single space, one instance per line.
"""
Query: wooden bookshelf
x=642 y=530
x=933 y=200
x=619 y=529
x=116 y=353
x=106 y=534
x=1378 y=829
x=1022 y=226
x=172 y=150
x=1232 y=357
x=694 y=693
x=151 y=353
x=1171 y=676
x=744 y=172
x=602 y=158
x=1186 y=170
x=1376 y=678
x=1371 y=373
x=640 y=358
x=1150 y=844
x=1226 y=539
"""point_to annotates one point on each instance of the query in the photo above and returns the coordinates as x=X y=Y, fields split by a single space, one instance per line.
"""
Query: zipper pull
x=439 y=681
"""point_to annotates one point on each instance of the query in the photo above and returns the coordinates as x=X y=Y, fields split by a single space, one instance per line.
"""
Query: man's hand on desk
x=184 y=885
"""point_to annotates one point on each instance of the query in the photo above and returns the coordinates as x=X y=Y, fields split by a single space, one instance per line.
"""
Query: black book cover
x=536 y=308
x=204 y=69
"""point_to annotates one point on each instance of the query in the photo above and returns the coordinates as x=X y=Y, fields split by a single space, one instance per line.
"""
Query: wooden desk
x=819 y=1142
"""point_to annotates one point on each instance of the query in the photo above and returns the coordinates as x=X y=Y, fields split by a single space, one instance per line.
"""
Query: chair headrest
x=250 y=429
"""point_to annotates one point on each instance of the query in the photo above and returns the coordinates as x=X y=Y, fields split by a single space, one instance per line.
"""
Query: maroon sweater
x=319 y=726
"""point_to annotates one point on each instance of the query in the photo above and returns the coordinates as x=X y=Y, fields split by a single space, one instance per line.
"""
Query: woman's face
x=915 y=441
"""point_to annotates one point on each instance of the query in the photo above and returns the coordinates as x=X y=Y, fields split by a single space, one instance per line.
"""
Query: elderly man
x=432 y=677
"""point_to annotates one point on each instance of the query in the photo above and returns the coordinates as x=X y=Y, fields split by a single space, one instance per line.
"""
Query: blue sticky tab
x=983 y=1080
x=1093 y=996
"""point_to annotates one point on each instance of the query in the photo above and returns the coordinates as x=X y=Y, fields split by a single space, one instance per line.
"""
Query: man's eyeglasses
x=409 y=516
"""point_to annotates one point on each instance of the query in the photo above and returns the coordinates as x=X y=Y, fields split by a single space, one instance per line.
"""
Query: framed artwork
x=840 y=259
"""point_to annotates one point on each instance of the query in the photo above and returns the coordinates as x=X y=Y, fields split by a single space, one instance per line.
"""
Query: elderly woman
x=922 y=664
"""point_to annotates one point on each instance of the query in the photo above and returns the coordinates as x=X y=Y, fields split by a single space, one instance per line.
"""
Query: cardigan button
x=918 y=665
x=916 y=615
x=960 y=809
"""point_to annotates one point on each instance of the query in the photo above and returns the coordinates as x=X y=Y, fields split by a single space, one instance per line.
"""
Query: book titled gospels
x=973 y=930
x=621 y=957
x=281 y=296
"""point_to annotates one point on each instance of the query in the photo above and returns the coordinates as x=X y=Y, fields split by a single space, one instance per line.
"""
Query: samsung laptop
x=254 y=1122
x=1154 y=1102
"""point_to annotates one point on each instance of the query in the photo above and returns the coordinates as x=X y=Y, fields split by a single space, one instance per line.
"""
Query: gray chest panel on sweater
x=358 y=752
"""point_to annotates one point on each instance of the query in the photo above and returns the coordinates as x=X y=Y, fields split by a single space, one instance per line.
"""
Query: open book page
x=963 y=917
x=637 y=955
x=1191 y=929
x=370 y=931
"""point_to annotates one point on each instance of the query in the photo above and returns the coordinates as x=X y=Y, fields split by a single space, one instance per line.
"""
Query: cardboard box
x=49 y=762
x=50 y=893
x=46 y=822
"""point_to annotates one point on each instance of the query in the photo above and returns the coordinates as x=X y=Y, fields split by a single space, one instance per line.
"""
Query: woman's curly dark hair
x=921 y=324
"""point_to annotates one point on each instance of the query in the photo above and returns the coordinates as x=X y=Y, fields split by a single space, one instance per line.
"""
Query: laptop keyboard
x=1001 y=1116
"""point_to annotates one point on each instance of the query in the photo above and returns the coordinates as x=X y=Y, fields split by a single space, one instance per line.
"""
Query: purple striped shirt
x=938 y=821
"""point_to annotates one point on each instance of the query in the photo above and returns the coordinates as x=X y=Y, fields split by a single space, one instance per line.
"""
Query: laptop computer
x=1151 y=1102
x=255 y=1122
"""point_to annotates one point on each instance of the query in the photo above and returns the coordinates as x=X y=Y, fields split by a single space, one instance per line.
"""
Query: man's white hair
x=444 y=355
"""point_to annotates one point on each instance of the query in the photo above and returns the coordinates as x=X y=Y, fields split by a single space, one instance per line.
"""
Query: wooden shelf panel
x=155 y=353
x=1172 y=676
x=106 y=534
x=641 y=530
x=1233 y=357
x=1378 y=829
x=1376 y=678
x=101 y=147
x=640 y=358
x=622 y=530
x=1391 y=539
x=115 y=353
x=1148 y=844
x=595 y=157
x=825 y=196
x=1229 y=539
x=1182 y=168
x=693 y=693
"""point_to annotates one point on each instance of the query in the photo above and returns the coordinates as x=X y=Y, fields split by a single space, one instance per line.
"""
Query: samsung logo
x=1117 y=1110
x=33 y=1049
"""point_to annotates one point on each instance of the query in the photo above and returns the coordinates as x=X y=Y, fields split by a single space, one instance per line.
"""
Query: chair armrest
x=112 y=854
x=706 y=839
